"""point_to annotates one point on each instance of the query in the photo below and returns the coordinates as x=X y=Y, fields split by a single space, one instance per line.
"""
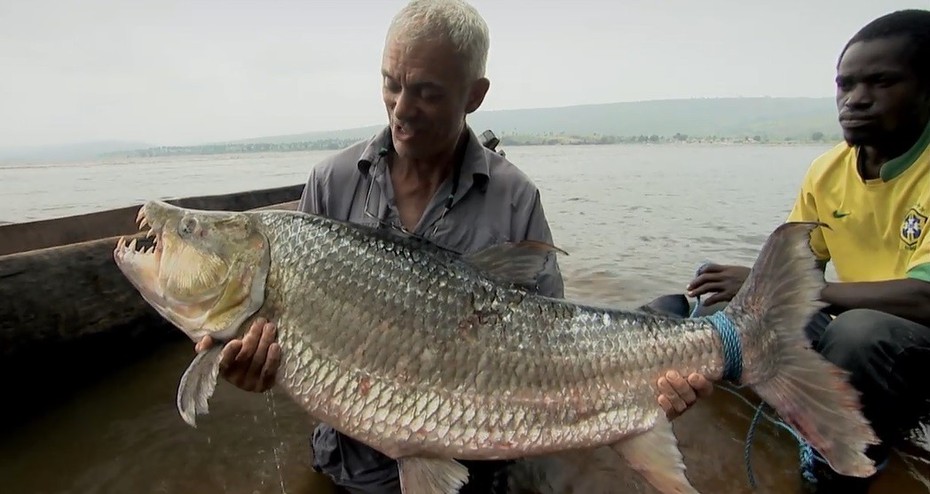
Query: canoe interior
x=41 y=234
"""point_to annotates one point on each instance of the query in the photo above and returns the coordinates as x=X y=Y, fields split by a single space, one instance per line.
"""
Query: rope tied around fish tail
x=732 y=371
x=732 y=346
x=808 y=457
x=729 y=336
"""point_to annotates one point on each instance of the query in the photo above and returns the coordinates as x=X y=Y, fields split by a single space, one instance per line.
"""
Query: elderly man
x=873 y=190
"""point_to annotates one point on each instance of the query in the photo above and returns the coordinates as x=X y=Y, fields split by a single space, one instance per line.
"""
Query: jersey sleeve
x=805 y=209
x=918 y=267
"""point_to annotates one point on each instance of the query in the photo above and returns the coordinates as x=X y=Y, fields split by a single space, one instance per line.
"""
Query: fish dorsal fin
x=520 y=263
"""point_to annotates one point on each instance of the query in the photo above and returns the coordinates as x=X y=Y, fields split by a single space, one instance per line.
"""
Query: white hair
x=452 y=20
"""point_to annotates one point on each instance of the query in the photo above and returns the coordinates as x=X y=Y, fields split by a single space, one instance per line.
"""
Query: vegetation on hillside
x=245 y=147
x=561 y=138
x=711 y=120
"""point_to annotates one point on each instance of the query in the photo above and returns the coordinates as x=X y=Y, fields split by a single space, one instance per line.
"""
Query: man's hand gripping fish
x=428 y=356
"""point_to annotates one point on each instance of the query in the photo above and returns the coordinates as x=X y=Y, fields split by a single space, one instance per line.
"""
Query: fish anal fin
x=197 y=385
x=420 y=475
x=520 y=263
x=654 y=454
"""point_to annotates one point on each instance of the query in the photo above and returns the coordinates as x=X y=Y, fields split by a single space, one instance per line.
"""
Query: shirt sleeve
x=312 y=200
x=550 y=281
x=805 y=209
x=918 y=268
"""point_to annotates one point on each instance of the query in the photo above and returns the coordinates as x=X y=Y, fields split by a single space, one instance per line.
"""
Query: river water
x=637 y=220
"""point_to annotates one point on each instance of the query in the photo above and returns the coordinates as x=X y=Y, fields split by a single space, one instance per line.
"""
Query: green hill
x=760 y=119
x=772 y=118
x=326 y=135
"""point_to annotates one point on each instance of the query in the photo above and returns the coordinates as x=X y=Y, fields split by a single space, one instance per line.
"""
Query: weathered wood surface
x=22 y=237
x=66 y=293
x=63 y=293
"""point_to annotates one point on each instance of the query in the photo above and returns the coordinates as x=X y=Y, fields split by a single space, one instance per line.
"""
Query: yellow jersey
x=876 y=227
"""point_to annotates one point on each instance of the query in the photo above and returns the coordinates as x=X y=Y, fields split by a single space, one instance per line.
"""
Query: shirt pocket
x=465 y=238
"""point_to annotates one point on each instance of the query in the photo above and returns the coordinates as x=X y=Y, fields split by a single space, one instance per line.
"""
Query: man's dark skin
x=883 y=108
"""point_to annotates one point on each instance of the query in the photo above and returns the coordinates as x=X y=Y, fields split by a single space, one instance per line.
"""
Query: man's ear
x=476 y=94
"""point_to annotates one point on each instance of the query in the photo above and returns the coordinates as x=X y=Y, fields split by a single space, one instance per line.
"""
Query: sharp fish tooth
x=132 y=245
x=143 y=223
x=141 y=214
x=150 y=233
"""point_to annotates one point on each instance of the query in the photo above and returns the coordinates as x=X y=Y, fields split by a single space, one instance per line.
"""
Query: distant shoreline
x=506 y=140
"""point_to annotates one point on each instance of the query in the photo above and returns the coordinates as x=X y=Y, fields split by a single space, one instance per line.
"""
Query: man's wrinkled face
x=878 y=94
x=427 y=94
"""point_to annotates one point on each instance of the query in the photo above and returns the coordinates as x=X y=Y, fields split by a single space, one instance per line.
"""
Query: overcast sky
x=180 y=72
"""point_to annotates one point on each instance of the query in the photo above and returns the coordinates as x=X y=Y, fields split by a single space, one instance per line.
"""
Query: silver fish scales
x=427 y=355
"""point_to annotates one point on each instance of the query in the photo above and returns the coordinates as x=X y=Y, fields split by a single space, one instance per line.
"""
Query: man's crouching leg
x=888 y=358
x=356 y=468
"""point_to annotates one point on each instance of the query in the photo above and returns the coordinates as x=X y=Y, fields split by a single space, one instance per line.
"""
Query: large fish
x=427 y=355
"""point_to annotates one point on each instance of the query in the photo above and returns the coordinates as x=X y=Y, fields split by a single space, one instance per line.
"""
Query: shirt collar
x=475 y=165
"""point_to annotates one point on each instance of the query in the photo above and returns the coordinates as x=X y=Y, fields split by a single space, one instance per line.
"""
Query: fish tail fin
x=812 y=395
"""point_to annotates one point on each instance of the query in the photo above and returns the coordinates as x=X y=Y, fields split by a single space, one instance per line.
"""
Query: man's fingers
x=709 y=287
x=270 y=370
x=701 y=385
x=703 y=279
x=681 y=387
x=261 y=353
x=666 y=405
x=250 y=363
x=713 y=268
x=671 y=395
x=228 y=356
x=250 y=341
x=205 y=343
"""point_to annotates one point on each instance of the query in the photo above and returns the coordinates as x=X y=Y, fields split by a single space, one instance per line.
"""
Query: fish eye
x=187 y=226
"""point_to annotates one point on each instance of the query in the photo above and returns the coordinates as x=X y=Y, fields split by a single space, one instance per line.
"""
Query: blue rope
x=732 y=346
x=733 y=368
x=729 y=335
x=747 y=448
x=807 y=459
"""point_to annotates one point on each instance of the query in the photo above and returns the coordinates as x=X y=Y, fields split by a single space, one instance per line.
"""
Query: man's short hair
x=453 y=20
x=914 y=24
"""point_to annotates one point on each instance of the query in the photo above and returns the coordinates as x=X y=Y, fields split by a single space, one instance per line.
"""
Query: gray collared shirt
x=495 y=202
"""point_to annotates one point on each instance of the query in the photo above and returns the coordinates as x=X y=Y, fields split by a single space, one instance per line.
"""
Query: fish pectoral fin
x=654 y=454
x=520 y=263
x=198 y=383
x=431 y=475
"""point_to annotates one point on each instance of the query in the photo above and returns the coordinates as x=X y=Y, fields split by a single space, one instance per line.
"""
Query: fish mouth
x=204 y=271
x=142 y=264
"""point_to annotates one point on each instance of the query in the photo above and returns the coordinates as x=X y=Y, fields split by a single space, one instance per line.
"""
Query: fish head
x=205 y=272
